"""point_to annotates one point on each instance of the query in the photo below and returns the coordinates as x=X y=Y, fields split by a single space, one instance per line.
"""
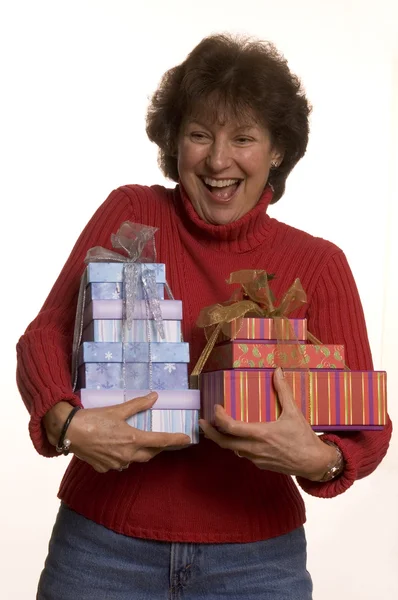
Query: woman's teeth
x=220 y=183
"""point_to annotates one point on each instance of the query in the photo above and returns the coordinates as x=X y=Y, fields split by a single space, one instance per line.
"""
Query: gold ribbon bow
x=253 y=298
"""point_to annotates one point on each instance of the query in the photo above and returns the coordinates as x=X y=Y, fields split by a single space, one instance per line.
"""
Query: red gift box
x=330 y=400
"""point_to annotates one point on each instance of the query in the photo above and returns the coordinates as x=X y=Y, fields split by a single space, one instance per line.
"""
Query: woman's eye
x=198 y=136
x=243 y=139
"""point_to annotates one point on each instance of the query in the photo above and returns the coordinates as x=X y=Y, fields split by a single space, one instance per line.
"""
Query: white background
x=75 y=81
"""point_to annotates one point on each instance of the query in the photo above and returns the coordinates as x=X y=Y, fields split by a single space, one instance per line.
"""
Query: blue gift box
x=98 y=272
x=114 y=291
x=110 y=330
x=107 y=376
x=161 y=352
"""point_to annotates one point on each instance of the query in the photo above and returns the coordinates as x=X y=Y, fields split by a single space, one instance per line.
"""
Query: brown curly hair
x=226 y=75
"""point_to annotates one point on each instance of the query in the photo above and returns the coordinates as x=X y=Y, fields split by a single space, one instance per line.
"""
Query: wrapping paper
x=110 y=330
x=249 y=354
x=113 y=309
x=110 y=272
x=168 y=421
x=330 y=400
x=175 y=411
x=160 y=352
x=168 y=399
x=114 y=291
x=253 y=328
x=165 y=376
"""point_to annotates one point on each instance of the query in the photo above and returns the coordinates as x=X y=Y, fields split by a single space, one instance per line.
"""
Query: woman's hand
x=287 y=445
x=102 y=438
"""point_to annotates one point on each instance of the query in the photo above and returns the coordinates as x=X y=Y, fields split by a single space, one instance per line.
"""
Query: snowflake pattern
x=108 y=355
x=115 y=295
x=169 y=367
x=92 y=347
x=101 y=368
x=158 y=384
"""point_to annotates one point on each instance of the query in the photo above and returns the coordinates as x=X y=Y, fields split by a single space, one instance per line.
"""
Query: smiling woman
x=222 y=518
x=224 y=168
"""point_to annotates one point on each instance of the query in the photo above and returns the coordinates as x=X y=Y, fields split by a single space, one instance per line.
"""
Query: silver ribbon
x=138 y=242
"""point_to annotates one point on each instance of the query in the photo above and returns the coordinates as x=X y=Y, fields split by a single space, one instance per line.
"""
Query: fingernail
x=152 y=396
x=279 y=373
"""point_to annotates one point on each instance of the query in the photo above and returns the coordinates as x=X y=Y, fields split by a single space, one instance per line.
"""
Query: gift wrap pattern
x=111 y=272
x=131 y=352
x=330 y=400
x=254 y=355
x=113 y=330
x=117 y=362
x=253 y=328
x=167 y=399
x=168 y=421
x=114 y=291
x=165 y=376
x=113 y=309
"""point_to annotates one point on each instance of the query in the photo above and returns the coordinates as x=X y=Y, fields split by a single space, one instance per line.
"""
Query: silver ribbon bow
x=139 y=244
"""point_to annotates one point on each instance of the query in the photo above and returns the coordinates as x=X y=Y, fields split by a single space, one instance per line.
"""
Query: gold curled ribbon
x=253 y=298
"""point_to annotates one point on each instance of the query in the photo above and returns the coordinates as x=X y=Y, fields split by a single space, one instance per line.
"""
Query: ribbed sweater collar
x=240 y=236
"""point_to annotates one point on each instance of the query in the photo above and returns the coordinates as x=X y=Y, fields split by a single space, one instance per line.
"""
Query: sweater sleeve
x=335 y=315
x=44 y=351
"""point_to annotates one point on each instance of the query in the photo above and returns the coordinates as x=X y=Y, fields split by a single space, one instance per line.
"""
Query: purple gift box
x=98 y=272
x=110 y=330
x=106 y=376
x=175 y=411
x=114 y=291
x=167 y=399
x=161 y=352
x=113 y=309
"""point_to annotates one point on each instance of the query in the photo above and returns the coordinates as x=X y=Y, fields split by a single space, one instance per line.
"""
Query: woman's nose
x=219 y=156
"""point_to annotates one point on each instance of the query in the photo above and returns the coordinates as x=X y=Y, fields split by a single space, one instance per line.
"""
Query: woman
x=223 y=518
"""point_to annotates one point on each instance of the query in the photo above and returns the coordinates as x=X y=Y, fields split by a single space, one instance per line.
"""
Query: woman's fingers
x=285 y=394
x=152 y=439
x=134 y=406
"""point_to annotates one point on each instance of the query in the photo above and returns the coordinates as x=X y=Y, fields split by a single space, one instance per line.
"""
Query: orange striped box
x=253 y=328
x=329 y=399
x=249 y=354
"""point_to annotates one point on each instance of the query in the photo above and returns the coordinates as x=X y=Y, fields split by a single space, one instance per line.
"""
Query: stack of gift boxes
x=118 y=361
x=238 y=375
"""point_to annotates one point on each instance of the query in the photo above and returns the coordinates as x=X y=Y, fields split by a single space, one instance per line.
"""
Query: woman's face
x=224 y=167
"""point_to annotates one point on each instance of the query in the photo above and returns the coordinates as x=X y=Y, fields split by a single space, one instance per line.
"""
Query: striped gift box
x=175 y=411
x=110 y=330
x=168 y=421
x=330 y=400
x=267 y=355
x=264 y=329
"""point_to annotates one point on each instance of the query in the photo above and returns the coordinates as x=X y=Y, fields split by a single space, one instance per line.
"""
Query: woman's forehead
x=223 y=115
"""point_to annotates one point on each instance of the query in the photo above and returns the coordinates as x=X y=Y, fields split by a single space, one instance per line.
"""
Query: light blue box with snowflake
x=114 y=291
x=108 y=376
x=110 y=330
x=134 y=352
x=98 y=272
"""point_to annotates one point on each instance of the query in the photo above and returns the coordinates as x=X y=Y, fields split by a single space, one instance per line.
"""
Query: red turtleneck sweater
x=203 y=493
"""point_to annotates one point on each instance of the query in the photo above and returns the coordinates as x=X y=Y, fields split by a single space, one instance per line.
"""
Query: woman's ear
x=277 y=157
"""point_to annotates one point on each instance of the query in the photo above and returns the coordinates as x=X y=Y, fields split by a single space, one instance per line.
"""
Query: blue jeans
x=86 y=561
